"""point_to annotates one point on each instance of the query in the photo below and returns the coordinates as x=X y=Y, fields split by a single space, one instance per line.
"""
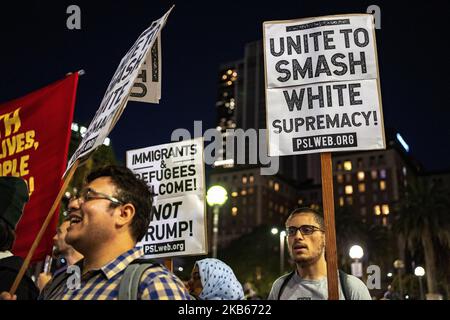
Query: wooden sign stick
x=330 y=229
x=169 y=264
x=44 y=226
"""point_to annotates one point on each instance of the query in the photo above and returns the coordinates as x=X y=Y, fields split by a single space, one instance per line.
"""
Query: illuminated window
x=340 y=178
x=385 y=209
x=385 y=221
x=404 y=171
x=377 y=210
x=382 y=185
x=276 y=186
x=234 y=194
x=362 y=187
x=300 y=202
x=341 y=201
x=348 y=165
x=348 y=189
x=361 y=175
x=229 y=83
x=234 y=211
x=383 y=174
x=251 y=179
x=229 y=72
x=374 y=174
x=244 y=179
x=234 y=74
x=251 y=190
x=349 y=201
x=244 y=192
x=270 y=183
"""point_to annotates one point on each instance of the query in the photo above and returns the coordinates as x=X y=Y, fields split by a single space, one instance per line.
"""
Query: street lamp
x=275 y=231
x=282 y=242
x=420 y=272
x=216 y=197
x=356 y=253
x=399 y=265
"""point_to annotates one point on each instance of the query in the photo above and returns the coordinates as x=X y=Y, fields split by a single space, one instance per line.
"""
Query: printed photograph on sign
x=175 y=174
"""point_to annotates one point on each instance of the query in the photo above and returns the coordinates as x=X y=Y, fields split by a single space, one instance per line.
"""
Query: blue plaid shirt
x=157 y=283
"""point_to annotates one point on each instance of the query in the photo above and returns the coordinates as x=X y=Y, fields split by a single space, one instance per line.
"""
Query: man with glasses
x=108 y=218
x=306 y=245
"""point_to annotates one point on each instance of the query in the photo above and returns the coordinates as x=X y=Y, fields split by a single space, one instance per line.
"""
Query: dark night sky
x=37 y=49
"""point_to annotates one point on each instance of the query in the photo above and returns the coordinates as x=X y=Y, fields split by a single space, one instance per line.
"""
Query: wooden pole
x=169 y=264
x=44 y=226
x=330 y=229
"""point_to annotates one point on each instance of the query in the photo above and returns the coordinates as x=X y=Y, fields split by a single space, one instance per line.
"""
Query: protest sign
x=147 y=87
x=118 y=91
x=175 y=174
x=322 y=85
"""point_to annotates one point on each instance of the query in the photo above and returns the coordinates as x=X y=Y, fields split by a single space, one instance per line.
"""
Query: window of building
x=404 y=171
x=340 y=190
x=340 y=178
x=244 y=179
x=362 y=187
x=281 y=209
x=377 y=210
x=375 y=197
x=251 y=190
x=374 y=174
x=383 y=173
x=385 y=221
x=251 y=179
x=347 y=165
x=341 y=201
x=270 y=204
x=374 y=186
x=349 y=201
x=363 y=211
x=234 y=194
x=372 y=160
x=300 y=202
x=348 y=189
x=382 y=185
x=360 y=163
x=271 y=183
x=348 y=177
x=385 y=209
x=338 y=166
x=381 y=159
x=362 y=199
x=234 y=211
x=361 y=175
x=276 y=186
x=243 y=192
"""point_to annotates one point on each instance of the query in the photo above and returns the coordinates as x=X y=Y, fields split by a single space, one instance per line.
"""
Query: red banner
x=34 y=140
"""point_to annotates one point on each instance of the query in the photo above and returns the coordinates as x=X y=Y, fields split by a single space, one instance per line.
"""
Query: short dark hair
x=7 y=236
x=130 y=189
x=318 y=217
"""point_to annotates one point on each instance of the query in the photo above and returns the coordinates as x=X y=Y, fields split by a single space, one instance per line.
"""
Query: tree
x=423 y=218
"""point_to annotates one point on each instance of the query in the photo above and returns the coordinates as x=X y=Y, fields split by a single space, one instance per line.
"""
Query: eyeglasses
x=89 y=194
x=305 y=230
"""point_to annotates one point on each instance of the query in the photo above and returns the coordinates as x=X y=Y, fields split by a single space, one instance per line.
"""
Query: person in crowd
x=13 y=197
x=306 y=245
x=212 y=279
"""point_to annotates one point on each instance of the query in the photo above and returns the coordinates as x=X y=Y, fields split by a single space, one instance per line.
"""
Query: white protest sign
x=322 y=85
x=175 y=174
x=116 y=95
x=147 y=87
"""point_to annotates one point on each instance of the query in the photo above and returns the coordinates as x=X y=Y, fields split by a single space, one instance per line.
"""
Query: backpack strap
x=285 y=282
x=129 y=284
x=343 y=281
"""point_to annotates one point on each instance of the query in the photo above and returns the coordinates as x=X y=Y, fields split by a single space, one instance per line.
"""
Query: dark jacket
x=9 y=268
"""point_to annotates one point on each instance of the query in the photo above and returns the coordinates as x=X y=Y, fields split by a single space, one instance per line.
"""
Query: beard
x=304 y=261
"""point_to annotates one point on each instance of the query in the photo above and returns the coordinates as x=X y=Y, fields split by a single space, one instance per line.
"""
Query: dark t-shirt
x=9 y=268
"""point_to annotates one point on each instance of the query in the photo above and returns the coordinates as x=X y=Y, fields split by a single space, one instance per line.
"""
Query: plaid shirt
x=157 y=283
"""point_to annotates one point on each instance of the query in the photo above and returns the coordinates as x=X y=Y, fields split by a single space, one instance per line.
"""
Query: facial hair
x=304 y=262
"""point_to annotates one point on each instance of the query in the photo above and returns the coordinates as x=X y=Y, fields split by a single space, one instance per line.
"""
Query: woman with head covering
x=212 y=279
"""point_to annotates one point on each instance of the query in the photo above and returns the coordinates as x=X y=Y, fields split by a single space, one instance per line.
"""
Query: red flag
x=34 y=140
